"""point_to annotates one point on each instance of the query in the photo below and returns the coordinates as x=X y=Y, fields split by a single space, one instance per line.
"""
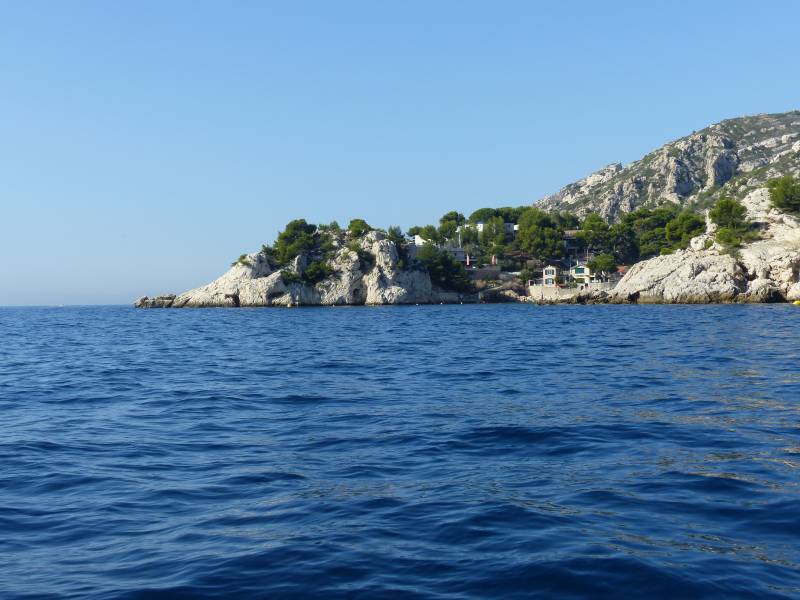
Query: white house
x=550 y=276
x=420 y=241
x=581 y=273
x=510 y=228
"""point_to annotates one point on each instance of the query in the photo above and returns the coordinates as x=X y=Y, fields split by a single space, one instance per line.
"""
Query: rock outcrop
x=766 y=270
x=163 y=301
x=731 y=158
x=371 y=275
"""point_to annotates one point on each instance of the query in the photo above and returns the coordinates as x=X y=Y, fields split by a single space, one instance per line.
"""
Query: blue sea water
x=496 y=451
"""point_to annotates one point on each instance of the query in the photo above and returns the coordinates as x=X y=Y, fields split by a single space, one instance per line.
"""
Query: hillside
x=730 y=158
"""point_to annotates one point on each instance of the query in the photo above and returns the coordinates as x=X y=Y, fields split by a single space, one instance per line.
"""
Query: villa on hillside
x=511 y=229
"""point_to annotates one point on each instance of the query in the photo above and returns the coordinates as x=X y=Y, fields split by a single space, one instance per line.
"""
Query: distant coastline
x=712 y=217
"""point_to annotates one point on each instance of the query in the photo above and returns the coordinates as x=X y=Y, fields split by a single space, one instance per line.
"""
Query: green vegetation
x=603 y=263
x=332 y=227
x=242 y=260
x=731 y=219
x=541 y=234
x=525 y=275
x=395 y=235
x=640 y=234
x=785 y=194
x=358 y=227
x=649 y=232
x=482 y=215
x=449 y=224
x=317 y=271
x=680 y=230
x=728 y=213
x=445 y=271
x=296 y=239
x=290 y=277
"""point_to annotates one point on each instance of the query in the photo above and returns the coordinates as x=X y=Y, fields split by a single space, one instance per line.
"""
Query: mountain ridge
x=729 y=158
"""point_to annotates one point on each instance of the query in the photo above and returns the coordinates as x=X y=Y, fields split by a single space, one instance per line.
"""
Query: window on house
x=579 y=270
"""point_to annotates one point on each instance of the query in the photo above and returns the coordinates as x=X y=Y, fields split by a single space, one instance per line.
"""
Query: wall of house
x=548 y=293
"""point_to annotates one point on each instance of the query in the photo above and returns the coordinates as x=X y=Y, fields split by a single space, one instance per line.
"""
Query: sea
x=442 y=452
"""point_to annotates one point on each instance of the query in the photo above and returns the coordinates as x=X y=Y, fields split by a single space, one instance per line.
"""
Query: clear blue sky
x=144 y=145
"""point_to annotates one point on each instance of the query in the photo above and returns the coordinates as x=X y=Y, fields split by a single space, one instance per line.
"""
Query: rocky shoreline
x=765 y=270
x=370 y=274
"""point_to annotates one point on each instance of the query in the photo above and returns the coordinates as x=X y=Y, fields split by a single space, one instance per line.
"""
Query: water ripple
x=418 y=452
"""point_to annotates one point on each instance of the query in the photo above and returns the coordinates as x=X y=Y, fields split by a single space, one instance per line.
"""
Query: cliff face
x=766 y=270
x=731 y=158
x=376 y=280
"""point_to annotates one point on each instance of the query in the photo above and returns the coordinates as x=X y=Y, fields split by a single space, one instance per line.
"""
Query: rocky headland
x=765 y=270
x=367 y=270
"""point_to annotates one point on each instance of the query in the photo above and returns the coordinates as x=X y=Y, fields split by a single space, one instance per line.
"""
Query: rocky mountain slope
x=767 y=270
x=730 y=158
x=372 y=276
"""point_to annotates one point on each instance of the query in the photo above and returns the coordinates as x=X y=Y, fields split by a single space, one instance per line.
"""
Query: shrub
x=730 y=217
x=729 y=237
x=358 y=227
x=317 y=271
x=242 y=260
x=290 y=277
x=729 y=213
x=785 y=194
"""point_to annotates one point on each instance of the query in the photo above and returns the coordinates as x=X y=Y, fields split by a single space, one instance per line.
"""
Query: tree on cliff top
x=297 y=238
x=358 y=227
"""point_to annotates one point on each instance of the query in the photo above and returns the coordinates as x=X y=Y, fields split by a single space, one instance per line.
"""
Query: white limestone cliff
x=762 y=271
x=374 y=279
